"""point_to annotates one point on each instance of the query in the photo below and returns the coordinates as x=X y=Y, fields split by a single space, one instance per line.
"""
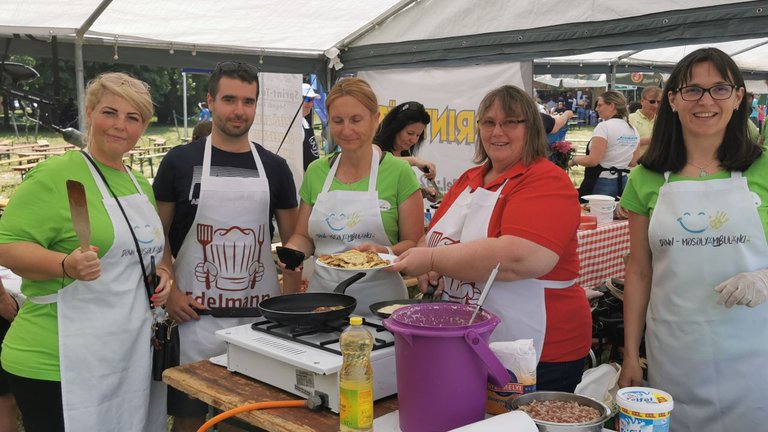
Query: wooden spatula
x=78 y=207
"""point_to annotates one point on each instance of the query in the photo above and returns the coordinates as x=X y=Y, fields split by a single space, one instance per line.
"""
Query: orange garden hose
x=251 y=407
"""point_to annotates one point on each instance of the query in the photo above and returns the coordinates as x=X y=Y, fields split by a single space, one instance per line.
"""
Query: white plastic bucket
x=643 y=409
x=602 y=207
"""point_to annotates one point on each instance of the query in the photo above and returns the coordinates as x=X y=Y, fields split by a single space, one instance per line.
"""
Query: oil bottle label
x=356 y=407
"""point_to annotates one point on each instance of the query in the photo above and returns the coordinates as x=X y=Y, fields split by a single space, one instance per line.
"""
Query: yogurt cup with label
x=643 y=409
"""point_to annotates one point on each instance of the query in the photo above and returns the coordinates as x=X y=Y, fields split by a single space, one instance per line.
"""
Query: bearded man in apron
x=520 y=210
x=216 y=198
x=359 y=198
x=697 y=277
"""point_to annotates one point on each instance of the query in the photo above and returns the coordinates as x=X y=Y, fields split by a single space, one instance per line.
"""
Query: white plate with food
x=356 y=261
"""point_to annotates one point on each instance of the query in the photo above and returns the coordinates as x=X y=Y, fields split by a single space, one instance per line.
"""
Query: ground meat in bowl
x=555 y=411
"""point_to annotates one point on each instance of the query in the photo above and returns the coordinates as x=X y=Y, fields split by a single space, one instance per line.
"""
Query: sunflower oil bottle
x=356 y=378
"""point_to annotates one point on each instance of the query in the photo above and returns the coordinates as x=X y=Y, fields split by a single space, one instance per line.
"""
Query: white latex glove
x=750 y=289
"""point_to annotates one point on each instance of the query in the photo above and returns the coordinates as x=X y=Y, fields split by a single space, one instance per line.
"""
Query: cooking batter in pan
x=216 y=198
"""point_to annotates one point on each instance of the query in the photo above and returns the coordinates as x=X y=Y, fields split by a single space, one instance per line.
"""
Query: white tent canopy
x=304 y=36
x=292 y=35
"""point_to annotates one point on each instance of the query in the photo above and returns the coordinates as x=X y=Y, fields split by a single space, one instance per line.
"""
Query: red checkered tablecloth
x=601 y=253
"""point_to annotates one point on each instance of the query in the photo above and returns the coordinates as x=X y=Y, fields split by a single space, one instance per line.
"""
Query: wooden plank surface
x=220 y=388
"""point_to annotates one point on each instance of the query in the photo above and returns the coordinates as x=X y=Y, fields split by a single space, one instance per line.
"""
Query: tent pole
x=80 y=84
x=612 y=81
x=184 y=99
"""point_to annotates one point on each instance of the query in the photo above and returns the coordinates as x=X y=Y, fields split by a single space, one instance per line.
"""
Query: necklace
x=702 y=169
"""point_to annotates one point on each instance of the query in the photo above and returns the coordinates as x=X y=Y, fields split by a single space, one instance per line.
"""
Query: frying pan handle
x=341 y=287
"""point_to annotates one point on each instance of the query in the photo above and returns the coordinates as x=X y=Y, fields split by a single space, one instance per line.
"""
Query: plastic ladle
x=485 y=292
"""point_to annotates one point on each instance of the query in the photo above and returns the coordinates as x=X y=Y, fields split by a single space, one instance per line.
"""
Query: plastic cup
x=643 y=409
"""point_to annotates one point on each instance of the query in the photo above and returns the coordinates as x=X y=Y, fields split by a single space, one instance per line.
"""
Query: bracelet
x=389 y=250
x=63 y=270
x=432 y=260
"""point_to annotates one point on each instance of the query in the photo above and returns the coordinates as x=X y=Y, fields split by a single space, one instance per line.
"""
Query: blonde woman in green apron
x=79 y=350
x=359 y=198
x=697 y=275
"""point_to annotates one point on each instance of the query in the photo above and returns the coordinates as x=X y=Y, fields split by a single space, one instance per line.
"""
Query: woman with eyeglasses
x=697 y=275
x=610 y=150
x=520 y=210
x=402 y=133
x=361 y=198
x=78 y=352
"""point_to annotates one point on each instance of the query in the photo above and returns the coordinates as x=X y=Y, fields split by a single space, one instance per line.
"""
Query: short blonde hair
x=357 y=88
x=122 y=85
x=515 y=103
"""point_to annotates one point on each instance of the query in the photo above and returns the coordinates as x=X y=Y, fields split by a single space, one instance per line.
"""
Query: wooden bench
x=149 y=158
x=21 y=160
x=24 y=169
x=24 y=147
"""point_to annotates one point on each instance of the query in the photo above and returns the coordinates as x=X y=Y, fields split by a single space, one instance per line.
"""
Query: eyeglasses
x=718 y=92
x=236 y=66
x=653 y=101
x=307 y=99
x=507 y=125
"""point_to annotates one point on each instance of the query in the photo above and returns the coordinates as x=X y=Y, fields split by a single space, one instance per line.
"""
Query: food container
x=643 y=408
x=588 y=222
x=545 y=426
x=602 y=207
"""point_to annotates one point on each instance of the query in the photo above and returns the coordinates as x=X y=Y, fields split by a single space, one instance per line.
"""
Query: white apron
x=105 y=326
x=519 y=304
x=226 y=257
x=341 y=220
x=712 y=360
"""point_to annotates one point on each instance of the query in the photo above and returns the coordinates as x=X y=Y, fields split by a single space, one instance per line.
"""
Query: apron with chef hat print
x=712 y=360
x=519 y=304
x=226 y=257
x=104 y=326
x=341 y=220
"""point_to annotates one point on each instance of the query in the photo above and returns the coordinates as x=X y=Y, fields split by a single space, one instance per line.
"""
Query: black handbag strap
x=130 y=227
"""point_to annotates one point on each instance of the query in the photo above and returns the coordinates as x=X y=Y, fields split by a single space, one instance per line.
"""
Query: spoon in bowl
x=486 y=290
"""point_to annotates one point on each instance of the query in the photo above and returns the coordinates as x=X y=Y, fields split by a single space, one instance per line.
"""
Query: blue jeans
x=559 y=376
x=609 y=187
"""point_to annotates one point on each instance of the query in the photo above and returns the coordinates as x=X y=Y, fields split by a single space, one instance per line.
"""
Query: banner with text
x=279 y=100
x=451 y=96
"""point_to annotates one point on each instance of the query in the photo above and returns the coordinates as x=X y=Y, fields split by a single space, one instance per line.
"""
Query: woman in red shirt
x=519 y=210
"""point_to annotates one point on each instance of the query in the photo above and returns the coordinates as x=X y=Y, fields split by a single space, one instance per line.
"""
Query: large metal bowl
x=544 y=426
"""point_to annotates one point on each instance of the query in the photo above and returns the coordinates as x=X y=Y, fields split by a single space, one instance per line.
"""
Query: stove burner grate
x=333 y=331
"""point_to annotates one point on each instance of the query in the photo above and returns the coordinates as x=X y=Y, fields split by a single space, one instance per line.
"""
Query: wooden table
x=224 y=390
x=601 y=253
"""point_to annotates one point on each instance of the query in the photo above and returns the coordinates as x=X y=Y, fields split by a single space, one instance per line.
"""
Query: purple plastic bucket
x=443 y=365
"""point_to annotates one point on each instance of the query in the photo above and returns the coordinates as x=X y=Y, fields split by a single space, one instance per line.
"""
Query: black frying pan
x=300 y=309
x=375 y=307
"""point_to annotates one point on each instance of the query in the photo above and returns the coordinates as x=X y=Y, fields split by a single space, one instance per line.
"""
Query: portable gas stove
x=306 y=361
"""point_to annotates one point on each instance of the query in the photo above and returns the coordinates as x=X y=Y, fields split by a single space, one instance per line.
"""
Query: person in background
x=217 y=197
x=402 y=133
x=360 y=198
x=610 y=150
x=8 y=415
x=520 y=210
x=642 y=119
x=309 y=146
x=753 y=107
x=78 y=352
x=201 y=130
x=697 y=276
x=205 y=113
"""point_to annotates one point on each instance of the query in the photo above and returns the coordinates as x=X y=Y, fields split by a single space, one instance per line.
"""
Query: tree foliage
x=165 y=84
